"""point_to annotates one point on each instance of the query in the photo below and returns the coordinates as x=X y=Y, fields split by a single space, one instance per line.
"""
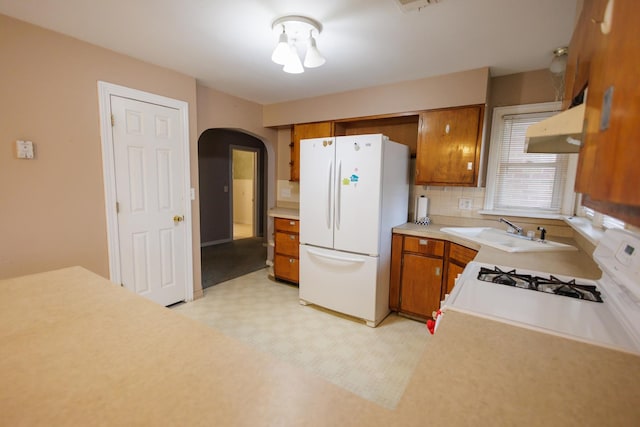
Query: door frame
x=256 y=181
x=105 y=90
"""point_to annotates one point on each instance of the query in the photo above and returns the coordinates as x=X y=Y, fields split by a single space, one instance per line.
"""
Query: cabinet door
x=461 y=253
x=608 y=170
x=449 y=146
x=586 y=36
x=284 y=224
x=421 y=282
x=286 y=268
x=305 y=131
x=287 y=244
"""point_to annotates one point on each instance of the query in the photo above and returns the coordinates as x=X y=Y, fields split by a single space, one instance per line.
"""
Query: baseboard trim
x=215 y=242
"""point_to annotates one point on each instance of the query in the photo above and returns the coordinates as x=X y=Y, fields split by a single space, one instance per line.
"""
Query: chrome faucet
x=517 y=230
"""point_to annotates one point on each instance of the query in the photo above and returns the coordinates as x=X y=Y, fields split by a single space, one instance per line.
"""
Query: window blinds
x=524 y=181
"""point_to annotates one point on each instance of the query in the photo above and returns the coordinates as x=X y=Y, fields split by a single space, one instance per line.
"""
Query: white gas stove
x=605 y=312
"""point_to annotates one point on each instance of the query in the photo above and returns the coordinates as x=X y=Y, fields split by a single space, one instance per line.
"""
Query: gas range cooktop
x=549 y=284
x=605 y=311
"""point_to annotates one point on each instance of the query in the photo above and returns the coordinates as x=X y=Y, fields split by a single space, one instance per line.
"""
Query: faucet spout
x=517 y=229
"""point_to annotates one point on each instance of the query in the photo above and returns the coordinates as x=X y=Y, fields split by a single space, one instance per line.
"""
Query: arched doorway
x=222 y=256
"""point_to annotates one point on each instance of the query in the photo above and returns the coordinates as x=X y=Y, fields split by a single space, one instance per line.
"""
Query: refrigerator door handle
x=339 y=195
x=335 y=258
x=329 y=188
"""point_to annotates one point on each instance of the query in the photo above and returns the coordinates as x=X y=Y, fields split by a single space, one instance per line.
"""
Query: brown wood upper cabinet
x=608 y=64
x=449 y=146
x=306 y=131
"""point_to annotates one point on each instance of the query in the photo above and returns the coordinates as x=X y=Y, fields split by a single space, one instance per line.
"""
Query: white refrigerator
x=353 y=190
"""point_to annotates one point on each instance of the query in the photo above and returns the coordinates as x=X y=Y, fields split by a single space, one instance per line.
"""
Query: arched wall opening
x=215 y=182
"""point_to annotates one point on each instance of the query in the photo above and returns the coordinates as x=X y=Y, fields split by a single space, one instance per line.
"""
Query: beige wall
x=52 y=208
x=463 y=88
x=220 y=110
x=523 y=88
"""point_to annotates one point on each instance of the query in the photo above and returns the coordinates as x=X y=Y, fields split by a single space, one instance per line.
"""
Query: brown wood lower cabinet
x=285 y=260
x=421 y=282
x=458 y=257
x=422 y=271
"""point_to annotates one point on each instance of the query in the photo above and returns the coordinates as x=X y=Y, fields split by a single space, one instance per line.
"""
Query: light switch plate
x=24 y=149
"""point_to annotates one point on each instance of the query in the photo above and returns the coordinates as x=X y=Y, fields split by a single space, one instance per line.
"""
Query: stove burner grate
x=549 y=284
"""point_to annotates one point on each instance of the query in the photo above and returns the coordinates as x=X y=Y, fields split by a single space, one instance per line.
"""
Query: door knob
x=178 y=218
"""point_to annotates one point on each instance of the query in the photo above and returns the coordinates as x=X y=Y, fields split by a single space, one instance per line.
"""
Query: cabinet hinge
x=113 y=121
x=117 y=207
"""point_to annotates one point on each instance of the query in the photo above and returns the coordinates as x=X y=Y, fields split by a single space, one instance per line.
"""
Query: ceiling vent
x=414 y=5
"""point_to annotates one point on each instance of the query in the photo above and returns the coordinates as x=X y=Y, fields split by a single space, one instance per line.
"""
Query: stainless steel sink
x=502 y=240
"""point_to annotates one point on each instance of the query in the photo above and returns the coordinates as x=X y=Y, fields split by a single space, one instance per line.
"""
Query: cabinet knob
x=292 y=237
x=291 y=260
x=423 y=242
x=291 y=144
x=291 y=163
x=292 y=223
x=437 y=271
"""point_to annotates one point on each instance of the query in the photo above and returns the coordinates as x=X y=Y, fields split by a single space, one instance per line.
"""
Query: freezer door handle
x=329 y=186
x=334 y=257
x=339 y=195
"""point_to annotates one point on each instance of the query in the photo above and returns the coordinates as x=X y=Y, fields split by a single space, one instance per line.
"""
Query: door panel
x=358 y=185
x=421 y=282
x=150 y=182
x=317 y=171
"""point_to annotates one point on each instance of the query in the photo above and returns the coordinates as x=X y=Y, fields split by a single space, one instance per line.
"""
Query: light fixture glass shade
x=282 y=51
x=558 y=64
x=293 y=65
x=313 y=58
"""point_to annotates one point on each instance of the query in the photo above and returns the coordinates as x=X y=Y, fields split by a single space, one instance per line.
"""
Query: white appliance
x=353 y=190
x=609 y=314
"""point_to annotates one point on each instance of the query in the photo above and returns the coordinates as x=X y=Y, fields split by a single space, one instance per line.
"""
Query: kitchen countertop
x=73 y=354
x=571 y=263
x=284 y=213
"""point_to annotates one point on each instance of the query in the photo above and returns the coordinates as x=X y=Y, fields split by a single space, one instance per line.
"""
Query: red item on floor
x=432 y=324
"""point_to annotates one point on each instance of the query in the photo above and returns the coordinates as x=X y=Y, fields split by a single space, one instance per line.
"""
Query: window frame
x=567 y=204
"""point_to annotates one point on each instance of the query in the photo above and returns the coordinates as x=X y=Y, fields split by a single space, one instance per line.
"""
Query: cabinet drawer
x=282 y=224
x=461 y=254
x=424 y=246
x=287 y=244
x=286 y=268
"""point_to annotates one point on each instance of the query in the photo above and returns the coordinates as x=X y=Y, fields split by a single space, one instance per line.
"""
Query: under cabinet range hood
x=561 y=133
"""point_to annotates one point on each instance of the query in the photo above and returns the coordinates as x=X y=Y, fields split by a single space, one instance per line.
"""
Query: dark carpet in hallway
x=232 y=259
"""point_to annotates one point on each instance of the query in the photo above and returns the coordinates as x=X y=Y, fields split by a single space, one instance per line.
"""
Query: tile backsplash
x=449 y=201
x=443 y=201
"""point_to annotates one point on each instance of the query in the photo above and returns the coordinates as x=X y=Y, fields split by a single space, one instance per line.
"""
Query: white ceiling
x=227 y=44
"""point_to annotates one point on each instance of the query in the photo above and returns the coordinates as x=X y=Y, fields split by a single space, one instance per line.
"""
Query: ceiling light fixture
x=292 y=30
x=559 y=61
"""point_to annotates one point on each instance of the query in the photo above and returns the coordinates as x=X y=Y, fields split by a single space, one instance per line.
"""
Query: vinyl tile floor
x=374 y=363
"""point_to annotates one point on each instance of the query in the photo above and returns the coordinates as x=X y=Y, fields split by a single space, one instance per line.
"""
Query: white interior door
x=150 y=190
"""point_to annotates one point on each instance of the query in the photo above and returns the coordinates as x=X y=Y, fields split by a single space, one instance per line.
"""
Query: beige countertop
x=78 y=350
x=286 y=213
